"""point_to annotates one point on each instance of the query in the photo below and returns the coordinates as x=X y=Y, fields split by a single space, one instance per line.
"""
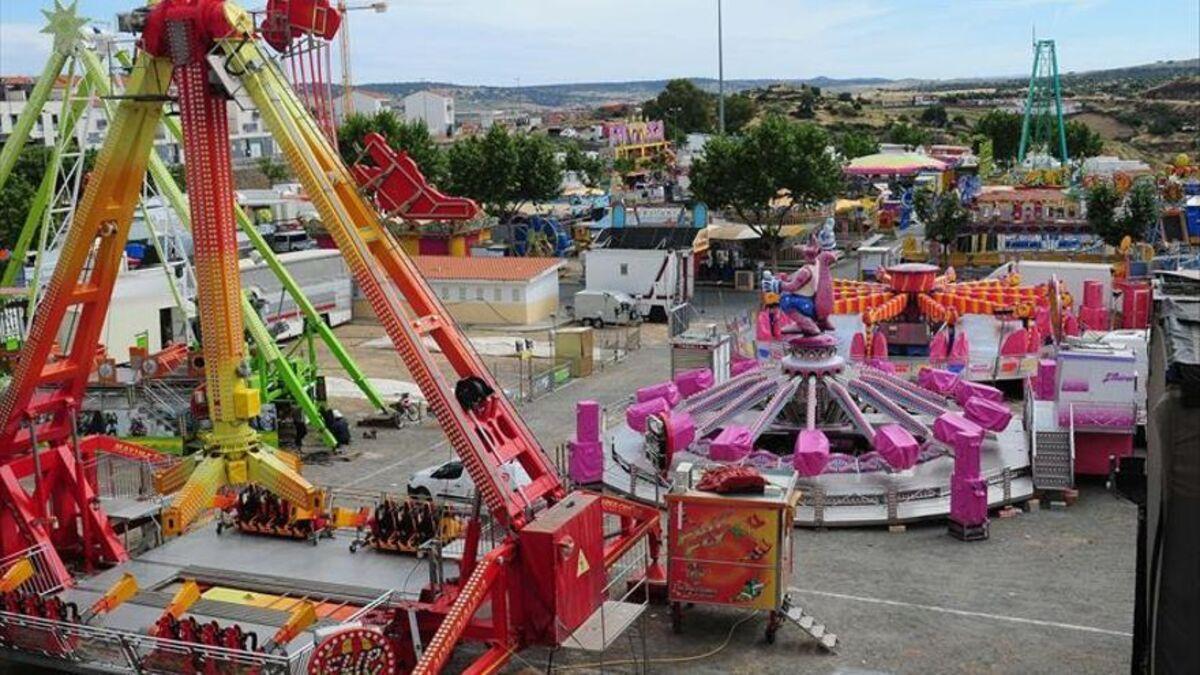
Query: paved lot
x=1050 y=591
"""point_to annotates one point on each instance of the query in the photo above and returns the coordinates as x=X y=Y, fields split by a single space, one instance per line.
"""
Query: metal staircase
x=808 y=623
x=1053 y=460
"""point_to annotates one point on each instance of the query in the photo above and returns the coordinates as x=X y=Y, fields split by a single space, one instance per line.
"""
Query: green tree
x=1081 y=140
x=934 y=116
x=1102 y=203
x=591 y=171
x=1004 y=130
x=947 y=220
x=907 y=134
x=19 y=190
x=179 y=174
x=504 y=171
x=1141 y=209
x=739 y=110
x=275 y=172
x=411 y=137
x=856 y=144
x=747 y=173
x=684 y=107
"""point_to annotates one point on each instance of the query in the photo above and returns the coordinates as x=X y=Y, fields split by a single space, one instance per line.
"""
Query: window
x=624 y=269
x=516 y=295
x=479 y=293
x=448 y=471
x=462 y=293
x=496 y=294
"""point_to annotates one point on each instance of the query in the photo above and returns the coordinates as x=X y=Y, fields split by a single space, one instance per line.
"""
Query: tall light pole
x=720 y=75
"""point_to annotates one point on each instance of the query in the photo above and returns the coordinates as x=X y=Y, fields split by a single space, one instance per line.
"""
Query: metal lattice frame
x=1043 y=106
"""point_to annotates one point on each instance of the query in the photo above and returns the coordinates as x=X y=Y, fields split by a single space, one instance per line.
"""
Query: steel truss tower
x=1044 y=124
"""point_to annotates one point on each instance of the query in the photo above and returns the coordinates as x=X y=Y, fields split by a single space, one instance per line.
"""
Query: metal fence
x=98 y=648
x=44 y=581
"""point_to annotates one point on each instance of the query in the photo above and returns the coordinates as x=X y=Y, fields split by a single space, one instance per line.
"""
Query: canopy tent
x=898 y=164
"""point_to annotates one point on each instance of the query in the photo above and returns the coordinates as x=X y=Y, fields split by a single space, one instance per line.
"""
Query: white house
x=432 y=108
x=363 y=102
x=493 y=290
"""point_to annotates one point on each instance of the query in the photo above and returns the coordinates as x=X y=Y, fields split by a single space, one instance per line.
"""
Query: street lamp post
x=720 y=74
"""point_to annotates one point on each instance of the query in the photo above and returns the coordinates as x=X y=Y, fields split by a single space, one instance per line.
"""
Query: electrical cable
x=668 y=659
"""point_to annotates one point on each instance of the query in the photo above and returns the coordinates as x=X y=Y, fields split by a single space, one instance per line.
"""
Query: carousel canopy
x=902 y=163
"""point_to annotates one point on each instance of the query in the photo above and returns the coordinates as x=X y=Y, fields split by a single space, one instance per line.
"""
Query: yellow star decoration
x=64 y=24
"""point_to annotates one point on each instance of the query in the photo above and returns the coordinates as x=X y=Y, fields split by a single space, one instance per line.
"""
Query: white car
x=450 y=480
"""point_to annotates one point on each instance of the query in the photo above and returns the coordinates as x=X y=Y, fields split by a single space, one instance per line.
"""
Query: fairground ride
x=535 y=584
x=56 y=199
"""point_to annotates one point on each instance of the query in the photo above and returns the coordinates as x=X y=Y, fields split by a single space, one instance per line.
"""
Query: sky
x=525 y=42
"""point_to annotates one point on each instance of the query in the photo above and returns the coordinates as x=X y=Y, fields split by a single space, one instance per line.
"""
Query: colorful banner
x=725 y=555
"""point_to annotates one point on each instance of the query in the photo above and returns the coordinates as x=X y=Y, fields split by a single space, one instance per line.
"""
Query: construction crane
x=540 y=582
x=344 y=49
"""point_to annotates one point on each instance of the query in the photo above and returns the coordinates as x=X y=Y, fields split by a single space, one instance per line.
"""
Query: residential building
x=488 y=290
x=248 y=137
x=362 y=102
x=435 y=110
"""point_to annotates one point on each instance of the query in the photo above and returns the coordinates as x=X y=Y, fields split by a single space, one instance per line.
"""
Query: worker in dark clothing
x=300 y=425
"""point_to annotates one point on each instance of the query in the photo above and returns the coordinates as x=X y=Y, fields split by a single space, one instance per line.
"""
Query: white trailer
x=324 y=278
x=661 y=280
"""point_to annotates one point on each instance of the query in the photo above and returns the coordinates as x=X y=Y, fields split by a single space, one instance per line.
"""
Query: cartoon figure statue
x=825 y=236
x=806 y=295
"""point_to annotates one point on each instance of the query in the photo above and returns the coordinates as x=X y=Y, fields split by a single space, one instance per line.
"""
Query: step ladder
x=808 y=623
x=1053 y=464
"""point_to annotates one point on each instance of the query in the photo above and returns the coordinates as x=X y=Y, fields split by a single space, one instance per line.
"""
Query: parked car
x=450 y=480
x=597 y=308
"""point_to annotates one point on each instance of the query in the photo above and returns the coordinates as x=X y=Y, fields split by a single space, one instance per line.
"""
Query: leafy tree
x=1004 y=130
x=590 y=170
x=179 y=174
x=504 y=171
x=746 y=174
x=411 y=137
x=934 y=116
x=1081 y=140
x=684 y=107
x=1102 y=203
x=1141 y=209
x=18 y=192
x=856 y=144
x=845 y=96
x=807 y=108
x=906 y=134
x=275 y=172
x=739 y=110
x=947 y=220
x=624 y=165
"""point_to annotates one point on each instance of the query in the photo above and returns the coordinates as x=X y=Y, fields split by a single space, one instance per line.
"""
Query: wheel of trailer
x=598 y=323
x=220 y=527
x=354 y=546
x=413 y=413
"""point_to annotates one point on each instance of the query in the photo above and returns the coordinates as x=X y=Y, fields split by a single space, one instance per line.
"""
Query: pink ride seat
x=812 y=452
x=731 y=445
x=636 y=414
x=897 y=447
x=990 y=415
x=664 y=390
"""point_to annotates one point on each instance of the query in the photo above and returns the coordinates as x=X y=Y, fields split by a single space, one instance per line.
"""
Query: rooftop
x=485 y=268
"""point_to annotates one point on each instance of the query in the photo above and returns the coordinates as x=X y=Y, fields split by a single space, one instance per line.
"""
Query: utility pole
x=720 y=74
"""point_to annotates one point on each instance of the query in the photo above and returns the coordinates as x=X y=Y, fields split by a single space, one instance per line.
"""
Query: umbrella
x=899 y=163
x=730 y=232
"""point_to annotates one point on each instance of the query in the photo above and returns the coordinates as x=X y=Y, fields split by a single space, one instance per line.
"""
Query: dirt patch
x=1108 y=127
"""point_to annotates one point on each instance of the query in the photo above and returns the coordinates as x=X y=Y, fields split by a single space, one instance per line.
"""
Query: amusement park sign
x=360 y=651
x=634 y=133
